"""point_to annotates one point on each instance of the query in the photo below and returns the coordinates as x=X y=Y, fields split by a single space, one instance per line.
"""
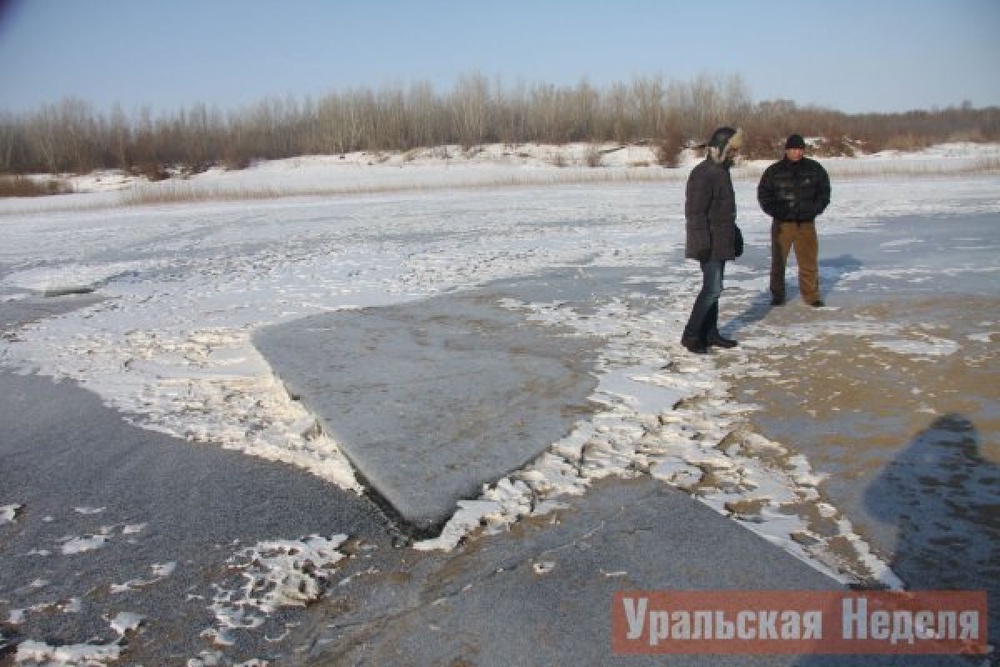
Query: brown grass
x=24 y=186
x=180 y=192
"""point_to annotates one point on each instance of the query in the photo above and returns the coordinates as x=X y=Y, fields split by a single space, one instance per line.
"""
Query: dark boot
x=695 y=345
x=715 y=338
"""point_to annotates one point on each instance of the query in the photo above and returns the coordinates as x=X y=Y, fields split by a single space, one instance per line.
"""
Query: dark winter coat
x=794 y=191
x=710 y=213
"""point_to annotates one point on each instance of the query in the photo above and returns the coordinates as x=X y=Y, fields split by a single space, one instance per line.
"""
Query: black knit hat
x=795 y=141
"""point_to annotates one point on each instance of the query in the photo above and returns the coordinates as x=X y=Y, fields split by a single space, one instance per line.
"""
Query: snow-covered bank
x=449 y=167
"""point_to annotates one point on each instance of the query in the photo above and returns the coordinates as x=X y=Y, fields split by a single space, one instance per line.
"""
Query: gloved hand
x=739 y=242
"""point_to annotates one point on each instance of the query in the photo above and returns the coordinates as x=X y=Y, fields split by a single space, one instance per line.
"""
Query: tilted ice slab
x=432 y=399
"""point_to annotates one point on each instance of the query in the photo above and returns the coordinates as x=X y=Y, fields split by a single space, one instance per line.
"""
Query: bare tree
x=470 y=102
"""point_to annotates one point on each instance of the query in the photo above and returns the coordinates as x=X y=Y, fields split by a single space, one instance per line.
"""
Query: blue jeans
x=705 y=313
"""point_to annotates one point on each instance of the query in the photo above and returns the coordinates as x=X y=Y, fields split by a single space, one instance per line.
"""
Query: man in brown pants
x=794 y=191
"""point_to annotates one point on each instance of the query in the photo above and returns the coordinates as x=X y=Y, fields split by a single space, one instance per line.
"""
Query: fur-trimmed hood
x=724 y=142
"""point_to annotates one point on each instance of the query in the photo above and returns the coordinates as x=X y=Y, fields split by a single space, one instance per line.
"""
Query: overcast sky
x=849 y=55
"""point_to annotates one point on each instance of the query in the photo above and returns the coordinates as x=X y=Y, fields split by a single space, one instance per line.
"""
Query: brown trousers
x=802 y=237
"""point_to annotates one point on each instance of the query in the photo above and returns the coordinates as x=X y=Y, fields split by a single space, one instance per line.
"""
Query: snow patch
x=8 y=513
x=276 y=573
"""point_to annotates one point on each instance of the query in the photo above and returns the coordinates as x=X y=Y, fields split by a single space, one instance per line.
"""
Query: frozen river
x=785 y=434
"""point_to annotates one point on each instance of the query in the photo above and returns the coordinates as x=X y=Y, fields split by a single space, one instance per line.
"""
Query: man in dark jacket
x=712 y=236
x=794 y=191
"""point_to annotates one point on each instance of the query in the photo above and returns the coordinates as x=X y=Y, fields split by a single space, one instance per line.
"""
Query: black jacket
x=794 y=191
x=710 y=213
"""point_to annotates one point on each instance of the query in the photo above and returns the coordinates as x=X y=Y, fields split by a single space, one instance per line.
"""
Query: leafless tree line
x=70 y=137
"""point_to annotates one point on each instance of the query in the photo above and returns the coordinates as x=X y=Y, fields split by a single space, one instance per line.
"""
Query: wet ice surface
x=188 y=549
x=857 y=403
x=892 y=395
x=184 y=289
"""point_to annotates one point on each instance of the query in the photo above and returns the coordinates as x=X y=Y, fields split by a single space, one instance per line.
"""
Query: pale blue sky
x=850 y=55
